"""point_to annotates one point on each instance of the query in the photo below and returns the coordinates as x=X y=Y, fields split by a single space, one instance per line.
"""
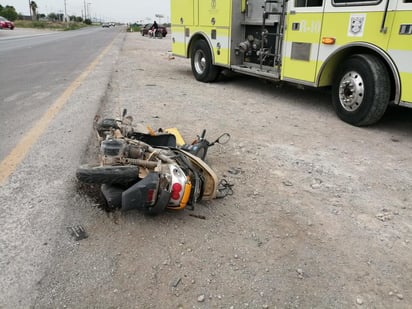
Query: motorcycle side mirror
x=222 y=139
x=124 y=112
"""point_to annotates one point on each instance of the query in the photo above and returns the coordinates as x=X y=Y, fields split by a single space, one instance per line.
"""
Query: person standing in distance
x=155 y=27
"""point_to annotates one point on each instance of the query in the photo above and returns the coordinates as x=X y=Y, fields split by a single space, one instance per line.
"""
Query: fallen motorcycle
x=151 y=171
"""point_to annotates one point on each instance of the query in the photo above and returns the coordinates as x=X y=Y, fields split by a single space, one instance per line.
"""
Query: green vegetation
x=52 y=21
x=8 y=12
x=134 y=28
x=53 y=25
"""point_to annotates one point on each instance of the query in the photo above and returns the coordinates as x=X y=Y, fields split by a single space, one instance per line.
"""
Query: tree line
x=9 y=12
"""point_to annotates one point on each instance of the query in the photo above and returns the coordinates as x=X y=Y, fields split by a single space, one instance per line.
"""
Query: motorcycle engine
x=111 y=150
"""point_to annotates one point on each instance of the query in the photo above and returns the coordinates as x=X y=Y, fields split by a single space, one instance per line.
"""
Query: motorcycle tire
x=107 y=174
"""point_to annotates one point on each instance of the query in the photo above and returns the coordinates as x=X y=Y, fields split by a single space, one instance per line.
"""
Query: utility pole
x=65 y=11
x=88 y=11
x=85 y=11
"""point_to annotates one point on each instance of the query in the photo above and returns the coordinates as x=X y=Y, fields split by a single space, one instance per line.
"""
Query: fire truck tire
x=107 y=174
x=202 y=66
x=360 y=93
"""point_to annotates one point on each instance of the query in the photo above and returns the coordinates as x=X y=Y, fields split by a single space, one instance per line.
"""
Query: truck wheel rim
x=351 y=91
x=200 y=62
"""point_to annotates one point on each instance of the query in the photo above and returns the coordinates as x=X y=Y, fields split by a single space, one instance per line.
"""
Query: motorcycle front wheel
x=107 y=174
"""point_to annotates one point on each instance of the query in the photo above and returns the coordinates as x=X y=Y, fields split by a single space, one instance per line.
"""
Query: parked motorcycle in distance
x=151 y=171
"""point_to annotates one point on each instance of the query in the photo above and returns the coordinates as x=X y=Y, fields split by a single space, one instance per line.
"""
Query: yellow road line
x=17 y=155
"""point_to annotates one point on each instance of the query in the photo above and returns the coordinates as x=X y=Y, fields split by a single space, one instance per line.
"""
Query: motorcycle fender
x=141 y=194
x=211 y=179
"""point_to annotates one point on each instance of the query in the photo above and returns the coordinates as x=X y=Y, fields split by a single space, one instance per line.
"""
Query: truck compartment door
x=302 y=39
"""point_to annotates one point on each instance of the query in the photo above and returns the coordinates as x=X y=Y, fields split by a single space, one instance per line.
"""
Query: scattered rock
x=384 y=216
x=201 y=298
x=287 y=183
x=176 y=282
x=300 y=273
x=234 y=171
x=399 y=296
x=359 y=300
x=315 y=185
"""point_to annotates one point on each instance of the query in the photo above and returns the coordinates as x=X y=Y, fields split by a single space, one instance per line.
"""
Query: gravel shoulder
x=321 y=215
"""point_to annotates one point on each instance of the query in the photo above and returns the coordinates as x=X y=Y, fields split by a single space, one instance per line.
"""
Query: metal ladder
x=277 y=55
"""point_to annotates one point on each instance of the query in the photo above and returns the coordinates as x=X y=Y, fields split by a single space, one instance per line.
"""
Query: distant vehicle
x=6 y=24
x=108 y=25
x=161 y=30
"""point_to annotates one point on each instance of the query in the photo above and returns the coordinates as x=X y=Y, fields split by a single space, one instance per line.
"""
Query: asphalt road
x=35 y=69
x=51 y=86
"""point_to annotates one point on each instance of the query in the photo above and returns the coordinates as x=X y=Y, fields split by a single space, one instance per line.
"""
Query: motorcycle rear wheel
x=107 y=174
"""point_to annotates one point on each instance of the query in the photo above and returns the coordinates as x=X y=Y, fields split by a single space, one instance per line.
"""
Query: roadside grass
x=133 y=28
x=49 y=25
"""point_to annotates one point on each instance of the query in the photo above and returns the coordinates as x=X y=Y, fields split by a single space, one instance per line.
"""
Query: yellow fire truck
x=361 y=48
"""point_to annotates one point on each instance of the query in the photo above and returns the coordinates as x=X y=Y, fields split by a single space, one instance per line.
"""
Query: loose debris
x=198 y=216
x=78 y=232
x=176 y=282
x=384 y=216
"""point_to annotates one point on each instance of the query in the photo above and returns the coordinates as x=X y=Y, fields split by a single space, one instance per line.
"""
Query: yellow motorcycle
x=151 y=171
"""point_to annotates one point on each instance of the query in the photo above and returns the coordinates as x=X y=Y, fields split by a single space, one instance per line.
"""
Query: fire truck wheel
x=360 y=93
x=202 y=66
x=107 y=174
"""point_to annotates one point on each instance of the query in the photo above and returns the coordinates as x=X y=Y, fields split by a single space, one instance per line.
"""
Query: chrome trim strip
x=405 y=104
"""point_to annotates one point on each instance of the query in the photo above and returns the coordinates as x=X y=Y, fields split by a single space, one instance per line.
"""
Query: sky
x=106 y=10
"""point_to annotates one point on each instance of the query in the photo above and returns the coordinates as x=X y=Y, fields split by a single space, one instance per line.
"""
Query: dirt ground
x=320 y=216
